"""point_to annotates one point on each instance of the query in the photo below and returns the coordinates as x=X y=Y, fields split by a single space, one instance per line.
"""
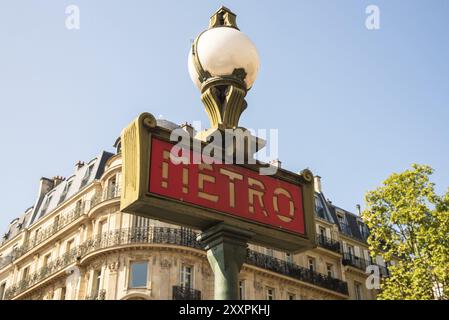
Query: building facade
x=75 y=244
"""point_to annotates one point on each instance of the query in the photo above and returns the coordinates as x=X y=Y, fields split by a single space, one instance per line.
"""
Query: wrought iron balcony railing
x=63 y=221
x=184 y=293
x=98 y=295
x=295 y=271
x=360 y=263
x=328 y=243
x=111 y=192
x=170 y=236
x=44 y=272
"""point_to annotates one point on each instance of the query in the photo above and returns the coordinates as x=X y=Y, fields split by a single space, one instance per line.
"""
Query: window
x=2 y=290
x=330 y=270
x=270 y=294
x=242 y=289
x=311 y=263
x=186 y=276
x=97 y=282
x=25 y=273
x=341 y=219
x=139 y=274
x=66 y=191
x=350 y=251
x=46 y=260
x=56 y=223
x=320 y=211
x=79 y=206
x=289 y=257
x=87 y=175
x=102 y=227
x=322 y=233
x=46 y=205
x=112 y=188
x=358 y=290
x=36 y=235
x=69 y=245
x=291 y=296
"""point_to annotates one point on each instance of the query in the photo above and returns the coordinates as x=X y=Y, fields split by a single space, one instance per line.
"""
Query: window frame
x=130 y=274
x=192 y=273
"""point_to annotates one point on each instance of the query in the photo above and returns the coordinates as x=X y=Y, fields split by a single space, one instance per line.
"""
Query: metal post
x=226 y=251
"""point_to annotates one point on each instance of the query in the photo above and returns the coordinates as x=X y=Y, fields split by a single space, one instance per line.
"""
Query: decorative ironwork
x=185 y=293
x=360 y=263
x=295 y=271
x=169 y=236
x=44 y=272
x=64 y=220
x=328 y=243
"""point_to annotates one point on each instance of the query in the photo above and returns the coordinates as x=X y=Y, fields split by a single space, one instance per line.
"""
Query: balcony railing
x=328 y=243
x=360 y=263
x=98 y=295
x=184 y=293
x=171 y=236
x=111 y=192
x=44 y=272
x=66 y=219
x=295 y=271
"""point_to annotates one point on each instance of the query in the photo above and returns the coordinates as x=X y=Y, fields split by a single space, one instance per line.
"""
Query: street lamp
x=223 y=64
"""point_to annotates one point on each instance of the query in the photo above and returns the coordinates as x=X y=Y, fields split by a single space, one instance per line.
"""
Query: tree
x=409 y=227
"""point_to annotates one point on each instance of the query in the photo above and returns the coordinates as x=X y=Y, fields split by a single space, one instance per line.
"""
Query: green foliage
x=409 y=226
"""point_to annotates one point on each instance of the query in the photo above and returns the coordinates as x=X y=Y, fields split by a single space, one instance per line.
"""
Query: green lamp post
x=223 y=64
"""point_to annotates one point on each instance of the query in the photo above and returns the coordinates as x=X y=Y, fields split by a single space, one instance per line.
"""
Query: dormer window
x=46 y=205
x=87 y=175
x=66 y=191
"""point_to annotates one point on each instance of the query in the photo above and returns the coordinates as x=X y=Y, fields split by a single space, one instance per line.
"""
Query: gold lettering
x=282 y=191
x=166 y=156
x=202 y=177
x=256 y=193
x=232 y=177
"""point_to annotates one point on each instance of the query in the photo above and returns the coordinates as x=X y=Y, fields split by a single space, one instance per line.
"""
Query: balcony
x=109 y=193
x=43 y=273
x=66 y=219
x=360 y=263
x=328 y=243
x=184 y=293
x=295 y=271
x=98 y=295
x=170 y=236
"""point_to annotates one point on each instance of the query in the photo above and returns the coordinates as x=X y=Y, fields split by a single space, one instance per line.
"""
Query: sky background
x=351 y=104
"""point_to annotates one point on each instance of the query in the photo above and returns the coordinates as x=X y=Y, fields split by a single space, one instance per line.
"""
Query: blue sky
x=351 y=104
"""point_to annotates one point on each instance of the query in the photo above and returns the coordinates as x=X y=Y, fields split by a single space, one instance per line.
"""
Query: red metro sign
x=229 y=189
x=278 y=210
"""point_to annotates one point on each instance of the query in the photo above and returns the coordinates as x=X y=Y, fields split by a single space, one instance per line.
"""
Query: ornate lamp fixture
x=223 y=64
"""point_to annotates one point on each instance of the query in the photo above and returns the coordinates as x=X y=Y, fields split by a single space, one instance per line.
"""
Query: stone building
x=74 y=243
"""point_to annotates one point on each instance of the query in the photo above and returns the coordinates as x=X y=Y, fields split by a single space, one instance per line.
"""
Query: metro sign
x=226 y=188
x=279 y=209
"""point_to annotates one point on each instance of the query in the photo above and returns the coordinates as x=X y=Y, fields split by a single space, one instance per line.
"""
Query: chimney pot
x=318 y=184
x=188 y=128
x=79 y=165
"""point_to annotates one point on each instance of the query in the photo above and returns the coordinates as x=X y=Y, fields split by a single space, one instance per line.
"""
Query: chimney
x=189 y=129
x=318 y=184
x=57 y=180
x=79 y=165
x=276 y=163
x=359 y=211
x=45 y=185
